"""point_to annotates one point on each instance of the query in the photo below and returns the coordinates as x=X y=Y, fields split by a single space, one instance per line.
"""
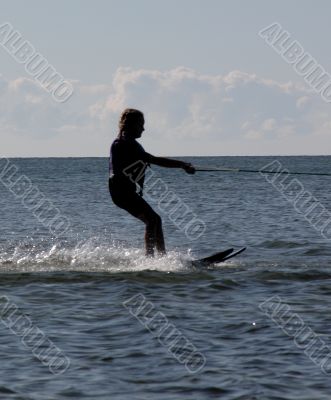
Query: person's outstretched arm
x=169 y=163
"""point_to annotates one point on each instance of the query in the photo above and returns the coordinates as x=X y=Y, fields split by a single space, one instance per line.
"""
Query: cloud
x=186 y=113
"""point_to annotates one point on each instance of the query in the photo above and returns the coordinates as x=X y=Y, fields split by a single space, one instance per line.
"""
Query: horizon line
x=172 y=156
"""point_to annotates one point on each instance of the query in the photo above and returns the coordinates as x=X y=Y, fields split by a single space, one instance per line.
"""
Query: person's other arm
x=169 y=163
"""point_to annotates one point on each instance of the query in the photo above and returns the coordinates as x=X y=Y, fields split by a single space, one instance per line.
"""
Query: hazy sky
x=206 y=81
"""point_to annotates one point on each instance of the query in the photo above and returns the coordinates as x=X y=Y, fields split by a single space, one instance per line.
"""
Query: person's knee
x=155 y=220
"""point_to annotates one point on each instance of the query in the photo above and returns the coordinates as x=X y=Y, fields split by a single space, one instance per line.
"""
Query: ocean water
x=121 y=326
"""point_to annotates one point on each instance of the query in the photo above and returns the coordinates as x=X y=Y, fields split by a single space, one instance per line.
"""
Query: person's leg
x=139 y=208
x=149 y=233
x=160 y=245
x=154 y=233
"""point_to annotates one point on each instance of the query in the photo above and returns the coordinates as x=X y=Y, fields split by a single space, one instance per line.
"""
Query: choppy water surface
x=73 y=288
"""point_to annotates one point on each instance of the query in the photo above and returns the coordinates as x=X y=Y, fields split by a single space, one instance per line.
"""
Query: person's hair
x=128 y=118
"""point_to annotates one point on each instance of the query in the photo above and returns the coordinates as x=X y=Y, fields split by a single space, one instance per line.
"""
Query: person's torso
x=125 y=155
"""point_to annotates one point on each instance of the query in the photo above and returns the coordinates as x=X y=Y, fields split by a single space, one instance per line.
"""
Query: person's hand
x=189 y=168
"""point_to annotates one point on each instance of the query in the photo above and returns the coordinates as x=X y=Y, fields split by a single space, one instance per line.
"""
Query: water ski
x=217 y=257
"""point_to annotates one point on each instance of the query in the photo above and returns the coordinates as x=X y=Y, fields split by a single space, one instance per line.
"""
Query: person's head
x=131 y=123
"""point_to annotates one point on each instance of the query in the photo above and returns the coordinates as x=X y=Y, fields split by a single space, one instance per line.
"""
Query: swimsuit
x=125 y=152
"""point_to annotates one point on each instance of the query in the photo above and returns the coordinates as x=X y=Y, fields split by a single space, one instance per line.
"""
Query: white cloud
x=269 y=124
x=302 y=102
x=254 y=135
x=186 y=113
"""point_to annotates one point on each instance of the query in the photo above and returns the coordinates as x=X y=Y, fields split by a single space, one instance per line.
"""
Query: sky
x=205 y=79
